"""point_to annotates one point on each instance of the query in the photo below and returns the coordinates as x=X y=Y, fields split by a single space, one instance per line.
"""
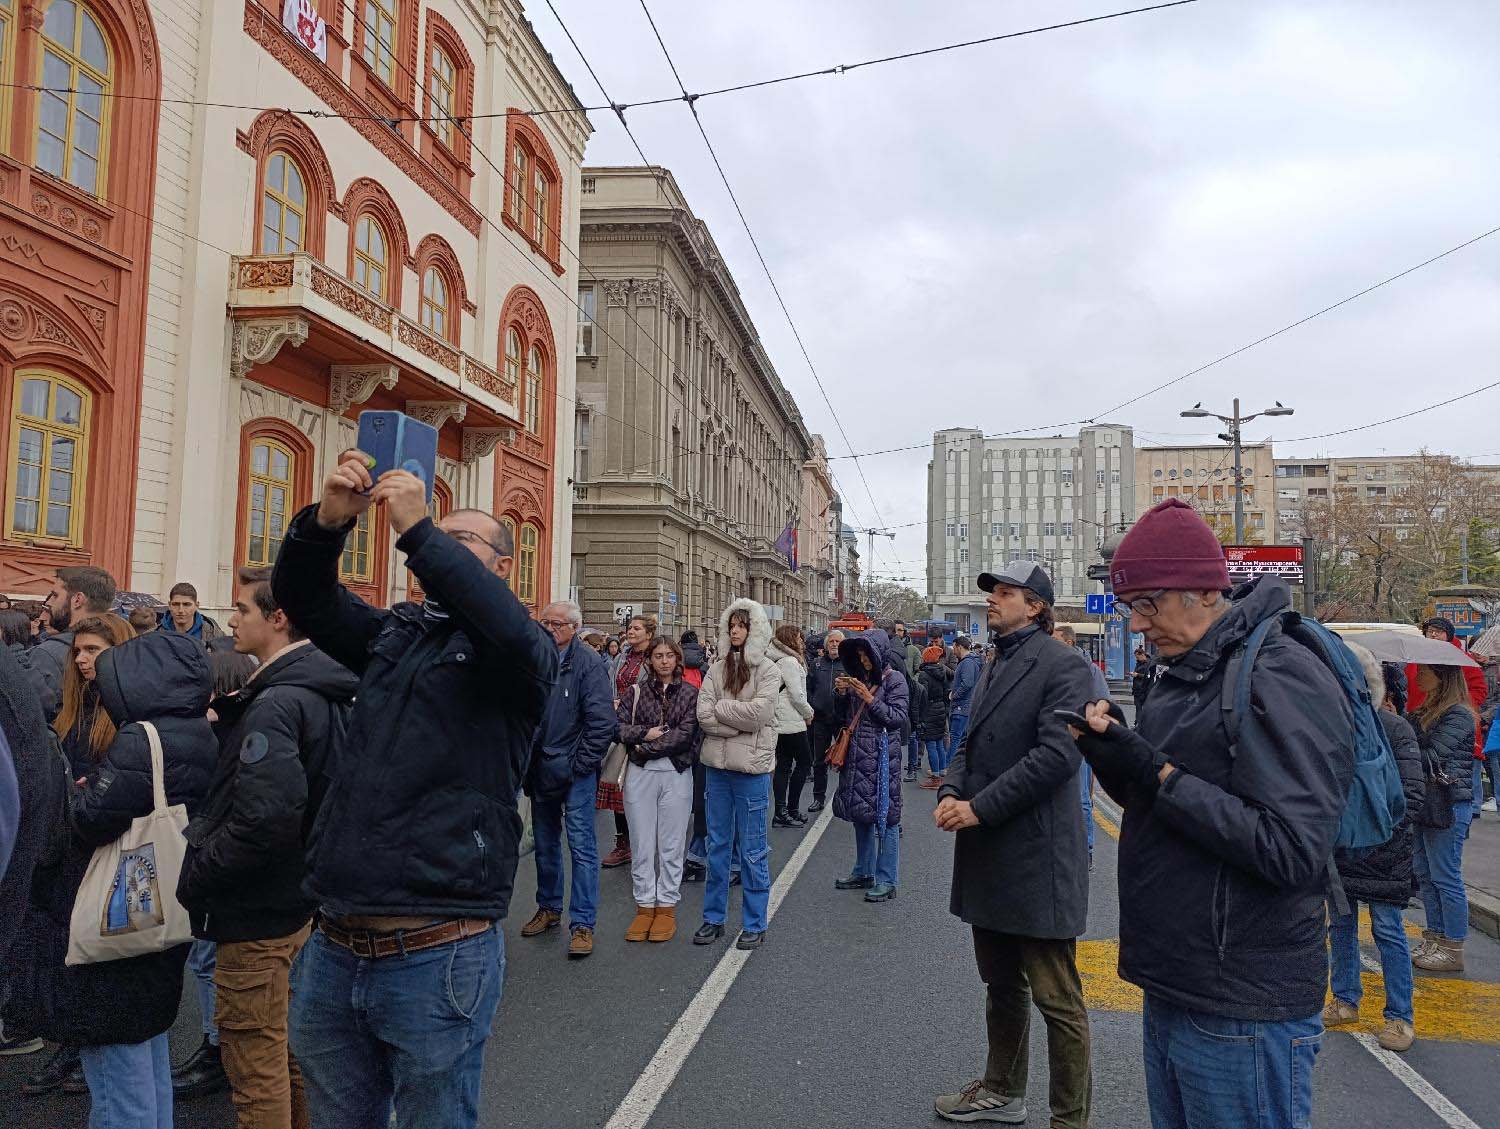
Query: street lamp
x=1234 y=422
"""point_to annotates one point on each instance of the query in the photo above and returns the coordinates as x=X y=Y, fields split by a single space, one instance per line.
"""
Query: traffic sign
x=1099 y=603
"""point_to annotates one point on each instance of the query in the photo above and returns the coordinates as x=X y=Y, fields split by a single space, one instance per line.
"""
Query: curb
x=1484 y=911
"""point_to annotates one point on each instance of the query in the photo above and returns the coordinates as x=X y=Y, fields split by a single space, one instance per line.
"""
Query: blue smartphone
x=395 y=441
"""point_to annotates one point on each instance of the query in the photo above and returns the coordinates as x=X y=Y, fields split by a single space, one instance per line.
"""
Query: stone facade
x=1204 y=478
x=689 y=451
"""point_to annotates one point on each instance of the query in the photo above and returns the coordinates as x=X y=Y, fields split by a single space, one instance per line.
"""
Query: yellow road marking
x=1446 y=1009
x=1105 y=822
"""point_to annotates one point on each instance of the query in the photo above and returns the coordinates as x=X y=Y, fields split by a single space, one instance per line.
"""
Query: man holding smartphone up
x=413 y=855
x=1020 y=858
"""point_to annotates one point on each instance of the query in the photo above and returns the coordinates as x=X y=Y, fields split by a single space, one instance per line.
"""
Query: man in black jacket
x=820 y=676
x=1020 y=855
x=242 y=880
x=78 y=591
x=1225 y=844
x=413 y=854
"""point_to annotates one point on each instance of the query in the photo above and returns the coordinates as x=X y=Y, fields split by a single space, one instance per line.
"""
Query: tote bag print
x=127 y=903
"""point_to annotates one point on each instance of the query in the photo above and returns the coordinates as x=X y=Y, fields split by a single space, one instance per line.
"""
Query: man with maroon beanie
x=1224 y=847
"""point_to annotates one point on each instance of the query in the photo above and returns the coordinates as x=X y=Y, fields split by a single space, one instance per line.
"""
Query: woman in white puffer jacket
x=793 y=747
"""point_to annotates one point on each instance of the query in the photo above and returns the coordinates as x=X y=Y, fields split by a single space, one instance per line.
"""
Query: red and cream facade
x=197 y=301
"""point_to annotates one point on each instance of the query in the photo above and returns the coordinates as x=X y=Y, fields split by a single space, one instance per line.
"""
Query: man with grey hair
x=820 y=675
x=565 y=757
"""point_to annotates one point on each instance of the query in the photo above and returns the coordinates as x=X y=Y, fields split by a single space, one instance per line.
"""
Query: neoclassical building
x=689 y=453
x=204 y=285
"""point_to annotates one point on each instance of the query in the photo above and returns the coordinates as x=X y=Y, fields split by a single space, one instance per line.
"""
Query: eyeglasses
x=470 y=538
x=1143 y=606
x=556 y=624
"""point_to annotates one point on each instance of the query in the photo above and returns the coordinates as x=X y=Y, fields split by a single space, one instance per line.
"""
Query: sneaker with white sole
x=1398 y=1036
x=976 y=1103
x=1338 y=1013
x=1489 y=805
x=22 y=1044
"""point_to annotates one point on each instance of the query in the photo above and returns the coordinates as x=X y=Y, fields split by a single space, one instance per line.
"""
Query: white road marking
x=1426 y=1092
x=649 y=1089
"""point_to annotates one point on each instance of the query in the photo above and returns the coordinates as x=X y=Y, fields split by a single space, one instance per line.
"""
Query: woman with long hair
x=793 y=747
x=1445 y=723
x=869 y=792
x=659 y=727
x=15 y=628
x=83 y=725
x=737 y=712
x=628 y=668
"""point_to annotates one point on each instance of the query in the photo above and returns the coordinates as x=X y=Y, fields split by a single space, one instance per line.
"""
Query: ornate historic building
x=301 y=268
x=689 y=453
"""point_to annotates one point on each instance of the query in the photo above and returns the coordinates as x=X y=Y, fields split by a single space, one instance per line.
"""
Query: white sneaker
x=1489 y=805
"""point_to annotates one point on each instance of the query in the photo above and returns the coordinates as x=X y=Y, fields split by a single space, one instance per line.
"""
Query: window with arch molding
x=379 y=52
x=526 y=548
x=519 y=163
x=534 y=391
x=442 y=91
x=539 y=204
x=357 y=562
x=434 y=309
x=371 y=256
x=513 y=357
x=283 y=206
x=71 y=129
x=268 y=499
x=48 y=461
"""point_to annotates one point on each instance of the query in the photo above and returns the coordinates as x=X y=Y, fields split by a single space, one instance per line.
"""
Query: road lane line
x=649 y=1089
x=1428 y=1094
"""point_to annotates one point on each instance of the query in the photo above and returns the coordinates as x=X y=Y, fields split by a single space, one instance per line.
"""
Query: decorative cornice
x=433 y=348
x=481 y=441
x=617 y=291
x=354 y=384
x=486 y=378
x=437 y=412
x=258 y=340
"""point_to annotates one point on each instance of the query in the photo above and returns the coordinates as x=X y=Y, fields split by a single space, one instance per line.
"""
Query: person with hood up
x=737 y=713
x=1381 y=877
x=242 y=880
x=793 y=747
x=694 y=659
x=873 y=703
x=932 y=726
x=118 y=1012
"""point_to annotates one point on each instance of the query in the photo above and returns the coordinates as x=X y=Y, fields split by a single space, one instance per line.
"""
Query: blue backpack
x=1376 y=803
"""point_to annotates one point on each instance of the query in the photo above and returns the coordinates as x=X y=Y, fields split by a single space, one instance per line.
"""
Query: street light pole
x=1234 y=423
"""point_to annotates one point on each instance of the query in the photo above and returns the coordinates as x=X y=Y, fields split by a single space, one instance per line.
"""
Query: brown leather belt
x=374 y=946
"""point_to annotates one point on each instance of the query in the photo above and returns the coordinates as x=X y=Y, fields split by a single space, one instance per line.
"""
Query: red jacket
x=1478 y=691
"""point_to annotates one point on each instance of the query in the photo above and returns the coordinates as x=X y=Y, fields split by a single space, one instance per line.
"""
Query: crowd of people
x=349 y=847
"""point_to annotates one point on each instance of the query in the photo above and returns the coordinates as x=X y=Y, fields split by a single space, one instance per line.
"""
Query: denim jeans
x=130 y=1084
x=201 y=964
x=1438 y=863
x=1086 y=787
x=1478 y=787
x=408 y=1030
x=1208 y=1071
x=739 y=810
x=1395 y=957
x=548 y=818
x=877 y=855
x=937 y=756
x=913 y=752
x=958 y=725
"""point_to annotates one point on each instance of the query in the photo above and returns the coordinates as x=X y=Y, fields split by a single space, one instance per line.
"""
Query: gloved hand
x=1122 y=753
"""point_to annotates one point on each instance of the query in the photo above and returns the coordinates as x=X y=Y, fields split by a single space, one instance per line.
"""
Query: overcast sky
x=1032 y=231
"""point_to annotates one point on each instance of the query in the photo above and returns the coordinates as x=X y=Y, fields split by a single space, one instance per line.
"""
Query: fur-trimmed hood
x=759 y=639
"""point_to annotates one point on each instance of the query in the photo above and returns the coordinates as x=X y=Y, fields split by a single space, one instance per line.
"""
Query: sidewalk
x=1482 y=873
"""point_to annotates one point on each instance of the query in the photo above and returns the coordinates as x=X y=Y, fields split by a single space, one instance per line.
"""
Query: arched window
x=519 y=163
x=283 y=206
x=526 y=564
x=533 y=405
x=433 y=311
x=371 y=256
x=381 y=18
x=49 y=444
x=513 y=358
x=268 y=499
x=70 y=131
x=539 y=211
x=357 y=563
x=442 y=93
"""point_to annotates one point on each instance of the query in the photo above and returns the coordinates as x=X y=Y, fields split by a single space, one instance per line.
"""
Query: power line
x=1403 y=415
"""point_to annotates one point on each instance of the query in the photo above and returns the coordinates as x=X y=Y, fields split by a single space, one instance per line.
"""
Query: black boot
x=781 y=819
x=202 y=1073
x=53 y=1073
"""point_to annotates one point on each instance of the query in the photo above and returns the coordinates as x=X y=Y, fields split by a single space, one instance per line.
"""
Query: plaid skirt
x=609 y=797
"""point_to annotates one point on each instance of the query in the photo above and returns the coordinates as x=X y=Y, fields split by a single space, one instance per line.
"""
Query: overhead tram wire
x=765 y=266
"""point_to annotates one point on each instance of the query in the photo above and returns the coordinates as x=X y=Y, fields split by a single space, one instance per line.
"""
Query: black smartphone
x=1077 y=720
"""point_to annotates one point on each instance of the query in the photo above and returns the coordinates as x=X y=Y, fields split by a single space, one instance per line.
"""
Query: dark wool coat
x=1025 y=869
x=675 y=708
x=40 y=783
x=1383 y=873
x=869 y=788
x=933 y=724
x=163 y=678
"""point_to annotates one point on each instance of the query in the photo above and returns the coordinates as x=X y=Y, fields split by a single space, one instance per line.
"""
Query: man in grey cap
x=1020 y=857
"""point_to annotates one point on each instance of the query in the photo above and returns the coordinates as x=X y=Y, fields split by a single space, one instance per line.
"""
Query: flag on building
x=786 y=544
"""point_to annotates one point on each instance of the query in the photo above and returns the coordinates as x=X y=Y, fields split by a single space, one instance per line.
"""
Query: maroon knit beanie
x=1170 y=546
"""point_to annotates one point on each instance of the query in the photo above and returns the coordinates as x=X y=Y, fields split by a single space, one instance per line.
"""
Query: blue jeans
x=877 y=855
x=937 y=756
x=547 y=817
x=913 y=752
x=698 y=852
x=201 y=961
x=1438 y=863
x=1086 y=787
x=1208 y=1072
x=404 y=1029
x=1395 y=957
x=130 y=1084
x=958 y=725
x=1478 y=787
x=738 y=807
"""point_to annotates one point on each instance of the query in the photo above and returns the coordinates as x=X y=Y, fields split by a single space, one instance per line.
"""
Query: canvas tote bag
x=127 y=904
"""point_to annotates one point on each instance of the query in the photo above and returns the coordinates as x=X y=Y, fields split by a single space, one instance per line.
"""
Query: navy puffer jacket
x=869 y=788
x=1449 y=743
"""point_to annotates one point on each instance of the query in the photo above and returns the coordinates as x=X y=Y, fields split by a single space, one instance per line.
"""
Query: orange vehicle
x=851 y=622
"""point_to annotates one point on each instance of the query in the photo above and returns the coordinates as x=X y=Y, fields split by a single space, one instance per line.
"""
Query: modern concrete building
x=1049 y=499
x=1204 y=477
x=690 y=452
x=1373 y=480
x=202 y=289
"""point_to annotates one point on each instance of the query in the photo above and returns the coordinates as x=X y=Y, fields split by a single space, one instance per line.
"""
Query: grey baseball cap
x=1021 y=574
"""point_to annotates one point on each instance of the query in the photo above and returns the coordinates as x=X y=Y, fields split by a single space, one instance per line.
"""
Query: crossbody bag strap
x=158 y=767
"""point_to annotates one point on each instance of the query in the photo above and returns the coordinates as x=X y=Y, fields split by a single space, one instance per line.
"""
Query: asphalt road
x=850 y=1014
